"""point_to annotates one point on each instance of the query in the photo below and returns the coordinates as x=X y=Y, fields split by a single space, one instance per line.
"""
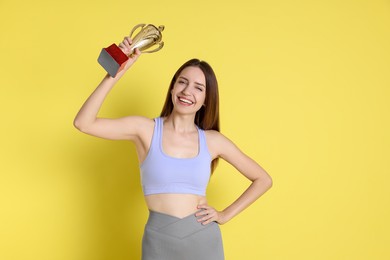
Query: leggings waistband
x=175 y=226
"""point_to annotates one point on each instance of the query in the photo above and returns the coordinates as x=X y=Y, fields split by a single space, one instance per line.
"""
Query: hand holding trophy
x=113 y=59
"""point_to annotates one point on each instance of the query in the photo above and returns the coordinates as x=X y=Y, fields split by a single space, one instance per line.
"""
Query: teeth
x=185 y=101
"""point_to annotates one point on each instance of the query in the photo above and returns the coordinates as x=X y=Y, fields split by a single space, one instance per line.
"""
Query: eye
x=199 y=88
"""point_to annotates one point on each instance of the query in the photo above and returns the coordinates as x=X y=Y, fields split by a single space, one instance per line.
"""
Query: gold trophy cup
x=112 y=58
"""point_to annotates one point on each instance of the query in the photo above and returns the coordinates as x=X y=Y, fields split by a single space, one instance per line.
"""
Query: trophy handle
x=160 y=45
x=136 y=27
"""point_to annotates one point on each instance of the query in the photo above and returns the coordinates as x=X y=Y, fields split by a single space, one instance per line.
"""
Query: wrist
x=117 y=77
x=223 y=218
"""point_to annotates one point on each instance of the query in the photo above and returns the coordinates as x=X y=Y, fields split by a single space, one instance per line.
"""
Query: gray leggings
x=170 y=238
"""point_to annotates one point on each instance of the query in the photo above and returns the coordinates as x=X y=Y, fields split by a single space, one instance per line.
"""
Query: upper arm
x=125 y=128
x=224 y=148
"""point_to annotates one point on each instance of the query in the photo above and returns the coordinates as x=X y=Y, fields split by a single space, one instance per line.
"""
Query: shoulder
x=218 y=143
x=215 y=136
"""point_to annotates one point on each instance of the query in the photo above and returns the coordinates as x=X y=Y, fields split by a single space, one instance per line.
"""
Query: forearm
x=90 y=109
x=257 y=188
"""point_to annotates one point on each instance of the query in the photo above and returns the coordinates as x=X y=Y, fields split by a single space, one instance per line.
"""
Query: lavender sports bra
x=161 y=173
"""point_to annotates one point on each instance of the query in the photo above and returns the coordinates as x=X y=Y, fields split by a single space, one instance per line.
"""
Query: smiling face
x=194 y=71
x=189 y=90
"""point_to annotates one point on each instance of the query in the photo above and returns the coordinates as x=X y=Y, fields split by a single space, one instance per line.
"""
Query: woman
x=177 y=153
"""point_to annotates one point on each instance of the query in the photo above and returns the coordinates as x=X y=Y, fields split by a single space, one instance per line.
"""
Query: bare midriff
x=178 y=205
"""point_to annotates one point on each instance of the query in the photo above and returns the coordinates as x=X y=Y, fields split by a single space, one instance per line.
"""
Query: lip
x=185 y=101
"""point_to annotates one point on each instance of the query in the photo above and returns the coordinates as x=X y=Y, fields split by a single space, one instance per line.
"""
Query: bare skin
x=180 y=140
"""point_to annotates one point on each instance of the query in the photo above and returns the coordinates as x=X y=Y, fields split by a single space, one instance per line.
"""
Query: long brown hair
x=207 y=117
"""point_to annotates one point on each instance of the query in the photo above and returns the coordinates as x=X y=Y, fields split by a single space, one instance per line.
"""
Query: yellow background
x=304 y=89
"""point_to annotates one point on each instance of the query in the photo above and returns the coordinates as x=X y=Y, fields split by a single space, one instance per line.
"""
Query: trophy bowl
x=148 y=36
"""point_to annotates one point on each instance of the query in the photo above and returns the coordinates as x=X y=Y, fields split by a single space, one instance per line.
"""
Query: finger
x=125 y=46
x=207 y=214
x=122 y=47
x=127 y=41
x=136 y=53
x=204 y=206
x=201 y=212
x=206 y=220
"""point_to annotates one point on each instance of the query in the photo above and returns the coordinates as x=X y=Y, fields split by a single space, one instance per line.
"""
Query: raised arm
x=222 y=147
x=87 y=119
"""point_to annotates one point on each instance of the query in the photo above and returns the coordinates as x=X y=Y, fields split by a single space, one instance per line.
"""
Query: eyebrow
x=197 y=83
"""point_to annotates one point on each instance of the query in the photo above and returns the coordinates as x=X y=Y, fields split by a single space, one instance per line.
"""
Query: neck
x=181 y=123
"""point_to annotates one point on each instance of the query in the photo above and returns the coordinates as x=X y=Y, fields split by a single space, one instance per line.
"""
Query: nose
x=186 y=90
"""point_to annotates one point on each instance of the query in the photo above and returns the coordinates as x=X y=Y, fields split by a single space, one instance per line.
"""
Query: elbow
x=78 y=125
x=83 y=124
x=267 y=182
x=263 y=183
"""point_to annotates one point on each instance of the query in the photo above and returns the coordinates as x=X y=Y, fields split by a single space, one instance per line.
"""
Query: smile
x=186 y=101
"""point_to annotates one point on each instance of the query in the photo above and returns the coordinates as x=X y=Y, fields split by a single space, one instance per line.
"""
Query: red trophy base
x=112 y=59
